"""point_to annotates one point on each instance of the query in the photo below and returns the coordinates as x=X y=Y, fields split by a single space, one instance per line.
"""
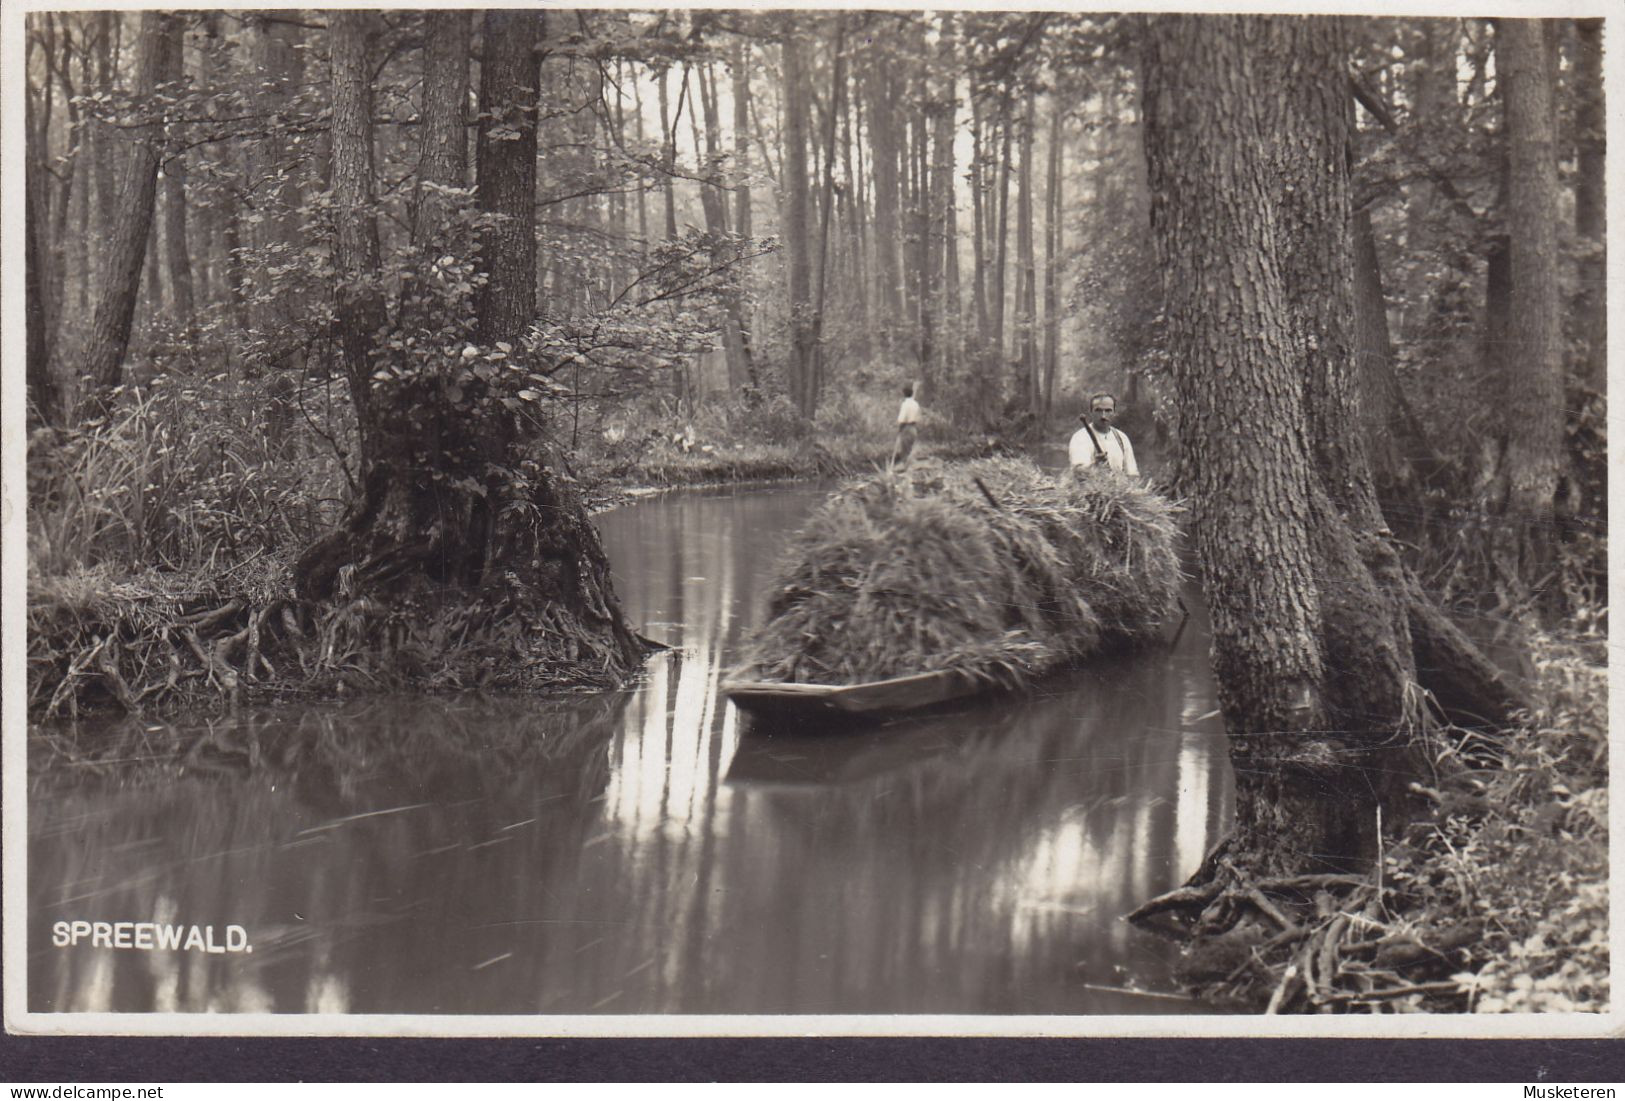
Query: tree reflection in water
x=642 y=852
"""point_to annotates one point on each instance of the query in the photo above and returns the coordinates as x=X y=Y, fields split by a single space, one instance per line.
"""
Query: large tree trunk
x=127 y=236
x=1246 y=134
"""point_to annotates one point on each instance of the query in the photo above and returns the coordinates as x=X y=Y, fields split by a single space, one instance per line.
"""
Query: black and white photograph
x=627 y=521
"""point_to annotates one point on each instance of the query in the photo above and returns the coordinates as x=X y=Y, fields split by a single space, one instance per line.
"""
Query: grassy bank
x=161 y=545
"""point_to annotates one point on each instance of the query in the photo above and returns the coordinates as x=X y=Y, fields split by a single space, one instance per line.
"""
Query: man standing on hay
x=908 y=428
x=1097 y=443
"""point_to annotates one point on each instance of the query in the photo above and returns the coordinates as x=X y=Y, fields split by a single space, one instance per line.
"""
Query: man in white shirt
x=908 y=428
x=1097 y=443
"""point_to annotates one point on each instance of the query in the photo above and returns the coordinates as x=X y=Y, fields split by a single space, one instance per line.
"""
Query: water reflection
x=644 y=851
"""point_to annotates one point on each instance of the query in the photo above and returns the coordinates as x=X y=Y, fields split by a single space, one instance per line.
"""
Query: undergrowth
x=1497 y=902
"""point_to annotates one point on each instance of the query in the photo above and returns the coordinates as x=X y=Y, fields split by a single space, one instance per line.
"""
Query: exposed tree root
x=151 y=651
x=1308 y=943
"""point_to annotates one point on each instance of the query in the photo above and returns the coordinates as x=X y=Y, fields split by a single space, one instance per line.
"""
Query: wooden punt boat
x=877 y=699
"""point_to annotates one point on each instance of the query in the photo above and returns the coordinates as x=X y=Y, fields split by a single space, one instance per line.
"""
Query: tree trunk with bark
x=1532 y=450
x=126 y=242
x=1001 y=240
x=883 y=145
x=1590 y=194
x=44 y=393
x=1027 y=281
x=668 y=154
x=817 y=369
x=714 y=203
x=444 y=160
x=939 y=325
x=797 y=231
x=466 y=520
x=1052 y=256
x=1317 y=628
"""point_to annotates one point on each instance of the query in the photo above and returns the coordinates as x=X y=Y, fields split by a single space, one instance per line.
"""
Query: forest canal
x=645 y=851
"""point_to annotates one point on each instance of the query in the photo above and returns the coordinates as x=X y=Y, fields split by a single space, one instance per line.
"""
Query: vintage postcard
x=888 y=520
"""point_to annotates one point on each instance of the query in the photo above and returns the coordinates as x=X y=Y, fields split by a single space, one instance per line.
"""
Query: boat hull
x=876 y=699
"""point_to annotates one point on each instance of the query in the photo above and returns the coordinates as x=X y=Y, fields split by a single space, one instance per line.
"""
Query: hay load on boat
x=905 y=590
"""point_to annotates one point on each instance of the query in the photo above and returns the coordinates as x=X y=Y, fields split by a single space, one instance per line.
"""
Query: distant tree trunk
x=935 y=336
x=1533 y=383
x=1435 y=110
x=1027 y=281
x=837 y=83
x=1590 y=193
x=177 y=248
x=126 y=242
x=883 y=145
x=1001 y=240
x=1395 y=443
x=643 y=188
x=1313 y=653
x=150 y=300
x=741 y=134
x=714 y=203
x=104 y=144
x=852 y=218
x=44 y=393
x=796 y=230
x=668 y=155
x=79 y=210
x=55 y=203
x=978 y=194
x=1052 y=256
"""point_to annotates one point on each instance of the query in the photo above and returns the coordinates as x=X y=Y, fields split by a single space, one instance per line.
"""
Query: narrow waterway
x=647 y=851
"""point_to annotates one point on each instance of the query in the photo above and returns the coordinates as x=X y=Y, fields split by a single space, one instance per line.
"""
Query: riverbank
x=108 y=637
x=1495 y=902
x=682 y=464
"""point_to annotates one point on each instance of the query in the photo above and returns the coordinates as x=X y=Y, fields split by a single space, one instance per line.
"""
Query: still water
x=646 y=851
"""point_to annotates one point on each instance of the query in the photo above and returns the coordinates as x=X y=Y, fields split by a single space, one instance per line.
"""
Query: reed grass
x=923 y=571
